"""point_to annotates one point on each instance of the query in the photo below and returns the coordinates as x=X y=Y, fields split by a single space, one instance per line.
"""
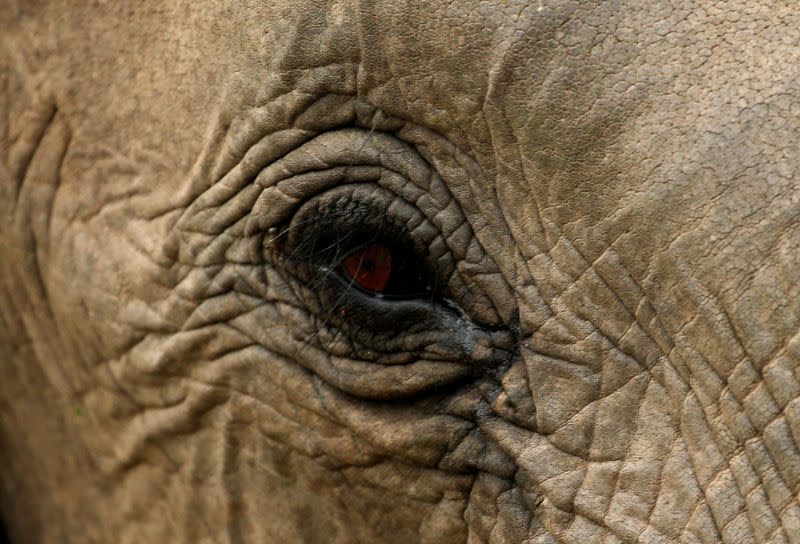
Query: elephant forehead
x=563 y=95
x=587 y=109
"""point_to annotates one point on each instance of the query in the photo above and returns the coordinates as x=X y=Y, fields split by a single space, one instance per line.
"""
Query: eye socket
x=386 y=269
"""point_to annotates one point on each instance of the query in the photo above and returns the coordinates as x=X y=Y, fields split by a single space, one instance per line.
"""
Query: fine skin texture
x=604 y=199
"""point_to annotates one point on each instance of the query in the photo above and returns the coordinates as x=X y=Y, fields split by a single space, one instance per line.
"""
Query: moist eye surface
x=375 y=242
x=370 y=267
x=387 y=270
x=379 y=260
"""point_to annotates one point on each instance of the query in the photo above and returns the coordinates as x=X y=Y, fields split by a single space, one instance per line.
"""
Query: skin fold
x=605 y=193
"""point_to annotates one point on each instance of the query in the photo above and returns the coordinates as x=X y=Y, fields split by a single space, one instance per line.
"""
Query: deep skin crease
x=606 y=193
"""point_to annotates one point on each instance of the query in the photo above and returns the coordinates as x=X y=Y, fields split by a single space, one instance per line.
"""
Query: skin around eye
x=369 y=267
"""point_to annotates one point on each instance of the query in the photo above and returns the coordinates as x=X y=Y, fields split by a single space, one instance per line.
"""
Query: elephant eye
x=359 y=244
x=385 y=269
x=369 y=267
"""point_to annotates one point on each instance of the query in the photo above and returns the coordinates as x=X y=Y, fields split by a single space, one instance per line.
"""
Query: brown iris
x=369 y=267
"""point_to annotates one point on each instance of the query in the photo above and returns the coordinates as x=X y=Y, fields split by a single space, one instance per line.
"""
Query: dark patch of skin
x=3 y=536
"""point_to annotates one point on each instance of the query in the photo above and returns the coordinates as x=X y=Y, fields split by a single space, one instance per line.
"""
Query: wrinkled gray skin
x=609 y=190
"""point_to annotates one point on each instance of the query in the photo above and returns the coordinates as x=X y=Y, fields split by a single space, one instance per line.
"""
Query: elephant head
x=337 y=271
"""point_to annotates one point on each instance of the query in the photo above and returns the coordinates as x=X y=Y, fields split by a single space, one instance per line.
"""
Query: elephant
x=504 y=271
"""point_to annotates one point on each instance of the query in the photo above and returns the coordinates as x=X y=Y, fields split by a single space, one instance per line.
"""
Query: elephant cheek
x=600 y=458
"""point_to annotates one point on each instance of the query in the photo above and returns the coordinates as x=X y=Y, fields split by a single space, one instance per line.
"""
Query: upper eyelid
x=358 y=206
x=334 y=159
